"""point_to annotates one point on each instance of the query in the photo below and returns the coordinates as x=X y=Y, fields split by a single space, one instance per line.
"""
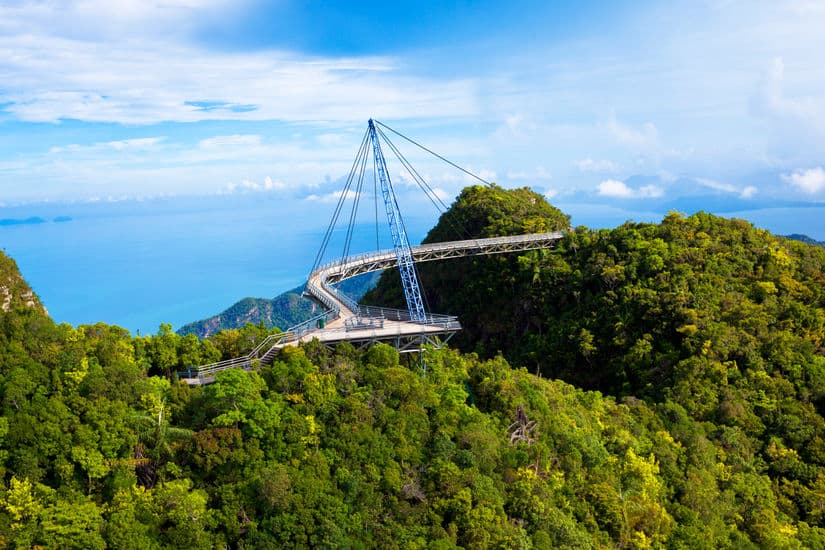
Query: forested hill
x=283 y=311
x=704 y=318
x=705 y=336
x=623 y=310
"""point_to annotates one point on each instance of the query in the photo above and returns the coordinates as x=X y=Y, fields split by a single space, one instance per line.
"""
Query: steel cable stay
x=422 y=183
x=354 y=210
x=362 y=150
x=451 y=163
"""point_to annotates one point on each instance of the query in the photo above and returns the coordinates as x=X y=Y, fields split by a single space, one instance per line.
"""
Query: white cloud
x=485 y=174
x=808 y=181
x=236 y=140
x=590 y=165
x=748 y=192
x=120 y=145
x=335 y=140
x=550 y=193
x=775 y=101
x=717 y=186
x=331 y=197
x=130 y=63
x=247 y=186
x=443 y=195
x=644 y=138
x=515 y=126
x=619 y=189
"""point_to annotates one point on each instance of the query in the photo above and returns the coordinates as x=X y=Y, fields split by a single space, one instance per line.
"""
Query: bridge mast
x=401 y=244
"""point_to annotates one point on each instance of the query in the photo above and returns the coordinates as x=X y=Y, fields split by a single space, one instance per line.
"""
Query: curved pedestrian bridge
x=343 y=319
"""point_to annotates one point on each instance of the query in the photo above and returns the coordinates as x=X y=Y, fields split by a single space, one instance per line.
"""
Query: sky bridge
x=342 y=318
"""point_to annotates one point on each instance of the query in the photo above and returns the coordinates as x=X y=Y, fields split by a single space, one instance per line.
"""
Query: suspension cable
x=434 y=198
x=422 y=183
x=354 y=212
x=362 y=151
x=356 y=175
x=401 y=217
x=375 y=196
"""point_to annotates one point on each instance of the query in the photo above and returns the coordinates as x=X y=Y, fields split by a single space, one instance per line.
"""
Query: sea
x=140 y=263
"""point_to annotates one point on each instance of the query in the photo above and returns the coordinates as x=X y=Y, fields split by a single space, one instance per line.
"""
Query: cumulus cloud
x=748 y=192
x=808 y=181
x=619 y=189
x=248 y=186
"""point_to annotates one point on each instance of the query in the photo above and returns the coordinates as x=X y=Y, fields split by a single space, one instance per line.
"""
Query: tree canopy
x=650 y=386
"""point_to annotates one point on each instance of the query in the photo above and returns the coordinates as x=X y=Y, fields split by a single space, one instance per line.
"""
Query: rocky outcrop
x=15 y=292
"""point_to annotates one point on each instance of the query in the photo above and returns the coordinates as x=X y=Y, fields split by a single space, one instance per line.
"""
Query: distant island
x=33 y=220
x=23 y=221
x=804 y=239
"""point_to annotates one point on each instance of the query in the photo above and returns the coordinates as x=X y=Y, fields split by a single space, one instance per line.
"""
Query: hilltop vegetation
x=690 y=414
x=710 y=319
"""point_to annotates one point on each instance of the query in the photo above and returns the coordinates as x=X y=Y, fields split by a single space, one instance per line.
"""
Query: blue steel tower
x=401 y=243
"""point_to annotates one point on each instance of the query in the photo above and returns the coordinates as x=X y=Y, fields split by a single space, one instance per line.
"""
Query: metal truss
x=337 y=271
x=401 y=244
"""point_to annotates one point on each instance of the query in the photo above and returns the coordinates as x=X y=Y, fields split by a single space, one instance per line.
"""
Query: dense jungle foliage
x=690 y=415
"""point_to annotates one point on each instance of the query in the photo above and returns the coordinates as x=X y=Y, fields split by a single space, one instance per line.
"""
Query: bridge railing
x=447 y=321
x=245 y=361
x=323 y=296
x=434 y=319
x=313 y=323
x=351 y=304
x=290 y=335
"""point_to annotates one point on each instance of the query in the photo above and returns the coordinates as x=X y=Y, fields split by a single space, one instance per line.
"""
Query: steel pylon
x=400 y=242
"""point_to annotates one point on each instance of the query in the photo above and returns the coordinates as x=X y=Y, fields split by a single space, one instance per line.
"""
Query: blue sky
x=642 y=106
